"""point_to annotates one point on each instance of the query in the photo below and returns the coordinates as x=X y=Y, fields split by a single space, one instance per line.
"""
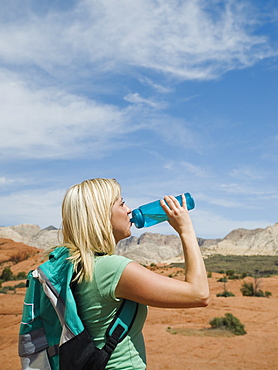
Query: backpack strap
x=121 y=324
x=80 y=352
x=116 y=332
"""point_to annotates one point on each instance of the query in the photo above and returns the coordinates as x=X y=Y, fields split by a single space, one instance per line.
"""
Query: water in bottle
x=152 y=213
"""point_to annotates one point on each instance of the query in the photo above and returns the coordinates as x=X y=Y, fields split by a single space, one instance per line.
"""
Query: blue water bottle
x=152 y=213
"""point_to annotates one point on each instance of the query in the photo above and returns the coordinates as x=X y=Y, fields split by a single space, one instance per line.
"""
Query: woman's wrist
x=187 y=232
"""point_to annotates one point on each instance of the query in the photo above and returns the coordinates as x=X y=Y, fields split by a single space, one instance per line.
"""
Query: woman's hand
x=178 y=215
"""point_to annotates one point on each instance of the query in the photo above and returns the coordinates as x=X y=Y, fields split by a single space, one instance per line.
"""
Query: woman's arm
x=144 y=286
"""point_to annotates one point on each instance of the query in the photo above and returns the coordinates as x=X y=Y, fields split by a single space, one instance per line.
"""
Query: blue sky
x=166 y=96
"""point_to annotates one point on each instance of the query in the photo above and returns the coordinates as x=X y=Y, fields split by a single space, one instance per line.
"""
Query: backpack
x=52 y=335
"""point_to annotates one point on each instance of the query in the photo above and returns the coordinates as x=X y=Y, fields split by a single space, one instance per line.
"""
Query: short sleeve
x=107 y=273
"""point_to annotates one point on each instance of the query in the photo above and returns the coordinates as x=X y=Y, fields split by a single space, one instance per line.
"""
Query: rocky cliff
x=157 y=248
x=31 y=235
x=246 y=242
x=150 y=247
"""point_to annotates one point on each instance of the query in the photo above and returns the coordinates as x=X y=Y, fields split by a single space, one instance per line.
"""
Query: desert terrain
x=258 y=349
x=191 y=347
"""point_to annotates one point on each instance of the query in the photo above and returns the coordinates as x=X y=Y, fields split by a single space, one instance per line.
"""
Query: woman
x=95 y=219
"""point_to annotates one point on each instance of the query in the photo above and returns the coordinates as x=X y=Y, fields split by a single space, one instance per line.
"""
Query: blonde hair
x=86 y=223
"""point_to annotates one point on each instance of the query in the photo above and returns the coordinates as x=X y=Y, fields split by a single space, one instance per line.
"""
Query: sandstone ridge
x=31 y=235
x=160 y=248
x=152 y=247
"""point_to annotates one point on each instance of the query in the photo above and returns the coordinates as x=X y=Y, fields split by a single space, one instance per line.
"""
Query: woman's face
x=120 y=220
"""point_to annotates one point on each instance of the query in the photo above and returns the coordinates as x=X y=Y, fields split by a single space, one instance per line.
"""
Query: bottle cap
x=137 y=218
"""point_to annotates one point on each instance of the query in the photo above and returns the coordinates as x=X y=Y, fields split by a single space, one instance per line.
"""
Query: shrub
x=249 y=290
x=230 y=323
x=230 y=273
x=217 y=322
x=6 y=274
x=209 y=274
x=225 y=293
x=234 y=277
x=259 y=293
x=223 y=280
x=21 y=275
x=20 y=285
x=5 y=289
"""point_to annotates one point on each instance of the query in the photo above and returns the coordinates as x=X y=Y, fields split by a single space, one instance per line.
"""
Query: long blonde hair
x=86 y=223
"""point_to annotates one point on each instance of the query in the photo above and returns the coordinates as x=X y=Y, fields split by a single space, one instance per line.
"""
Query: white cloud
x=137 y=99
x=234 y=188
x=188 y=168
x=37 y=206
x=246 y=173
x=6 y=181
x=196 y=170
x=184 y=39
x=179 y=38
x=49 y=123
x=177 y=132
x=52 y=123
x=157 y=87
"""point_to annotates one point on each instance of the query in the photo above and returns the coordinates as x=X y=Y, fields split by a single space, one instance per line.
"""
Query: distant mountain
x=159 y=248
x=31 y=235
x=151 y=247
x=240 y=242
x=49 y=228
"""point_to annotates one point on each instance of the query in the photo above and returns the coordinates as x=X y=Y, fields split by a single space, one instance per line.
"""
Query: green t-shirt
x=97 y=306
